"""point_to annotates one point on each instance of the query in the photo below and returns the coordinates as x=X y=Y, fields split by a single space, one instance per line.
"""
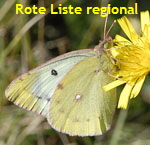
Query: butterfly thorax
x=104 y=55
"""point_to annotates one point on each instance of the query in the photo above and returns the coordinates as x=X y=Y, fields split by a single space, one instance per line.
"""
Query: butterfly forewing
x=80 y=106
x=34 y=89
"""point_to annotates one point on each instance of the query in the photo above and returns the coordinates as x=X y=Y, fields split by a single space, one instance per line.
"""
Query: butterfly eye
x=54 y=72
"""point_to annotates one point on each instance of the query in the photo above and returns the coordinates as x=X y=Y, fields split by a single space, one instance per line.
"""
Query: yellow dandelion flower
x=132 y=59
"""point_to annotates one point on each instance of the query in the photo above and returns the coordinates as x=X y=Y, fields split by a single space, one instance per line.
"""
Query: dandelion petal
x=113 y=85
x=128 y=29
x=145 y=20
x=121 y=40
x=124 y=97
x=137 y=87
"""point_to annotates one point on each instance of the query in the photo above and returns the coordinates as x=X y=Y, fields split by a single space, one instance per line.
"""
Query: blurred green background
x=27 y=41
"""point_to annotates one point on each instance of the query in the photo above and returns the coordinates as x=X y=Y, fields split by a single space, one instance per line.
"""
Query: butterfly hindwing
x=34 y=89
x=79 y=105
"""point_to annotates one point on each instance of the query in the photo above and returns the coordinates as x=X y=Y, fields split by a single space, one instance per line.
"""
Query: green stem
x=119 y=126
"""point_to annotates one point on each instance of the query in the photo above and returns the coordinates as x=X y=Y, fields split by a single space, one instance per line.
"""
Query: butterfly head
x=106 y=43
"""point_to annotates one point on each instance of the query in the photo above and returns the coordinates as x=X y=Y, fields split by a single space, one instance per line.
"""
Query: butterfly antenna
x=105 y=25
x=110 y=28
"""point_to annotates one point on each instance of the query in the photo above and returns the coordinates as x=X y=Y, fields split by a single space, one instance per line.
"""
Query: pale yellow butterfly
x=67 y=90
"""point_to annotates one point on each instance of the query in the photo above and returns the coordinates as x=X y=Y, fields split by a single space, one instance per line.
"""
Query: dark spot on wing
x=57 y=102
x=76 y=120
x=48 y=99
x=39 y=97
x=60 y=86
x=21 y=79
x=54 y=72
x=88 y=120
x=61 y=111
x=29 y=73
x=97 y=70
